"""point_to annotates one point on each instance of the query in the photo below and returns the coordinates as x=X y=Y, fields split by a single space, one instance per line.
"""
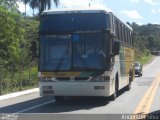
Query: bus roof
x=80 y=10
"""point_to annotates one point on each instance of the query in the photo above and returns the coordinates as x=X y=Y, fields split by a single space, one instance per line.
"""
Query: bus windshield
x=73 y=52
x=88 y=52
x=55 y=52
x=73 y=22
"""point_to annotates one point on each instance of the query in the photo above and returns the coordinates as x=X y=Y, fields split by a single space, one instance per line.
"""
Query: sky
x=139 y=11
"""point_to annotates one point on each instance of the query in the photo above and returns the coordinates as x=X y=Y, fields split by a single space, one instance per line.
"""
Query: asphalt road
x=89 y=108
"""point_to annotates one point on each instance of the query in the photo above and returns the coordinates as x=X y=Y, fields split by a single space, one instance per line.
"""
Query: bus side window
x=131 y=38
x=121 y=38
x=122 y=33
x=126 y=34
x=129 y=42
x=117 y=30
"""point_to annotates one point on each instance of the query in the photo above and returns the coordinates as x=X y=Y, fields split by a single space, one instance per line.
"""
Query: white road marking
x=36 y=106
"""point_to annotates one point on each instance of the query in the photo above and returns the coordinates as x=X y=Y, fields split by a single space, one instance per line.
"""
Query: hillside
x=146 y=40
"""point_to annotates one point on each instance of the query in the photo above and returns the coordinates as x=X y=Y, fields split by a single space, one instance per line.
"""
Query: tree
x=146 y=36
x=25 y=3
x=34 y=4
x=46 y=3
x=30 y=41
x=41 y=4
x=11 y=32
x=10 y=3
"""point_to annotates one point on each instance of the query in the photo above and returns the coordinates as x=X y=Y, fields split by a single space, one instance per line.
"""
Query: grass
x=16 y=81
x=18 y=89
x=143 y=58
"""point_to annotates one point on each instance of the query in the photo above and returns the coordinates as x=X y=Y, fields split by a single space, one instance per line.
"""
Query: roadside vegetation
x=18 y=41
x=146 y=40
x=18 y=44
x=143 y=57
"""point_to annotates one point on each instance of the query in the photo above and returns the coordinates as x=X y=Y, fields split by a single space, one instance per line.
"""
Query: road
x=127 y=102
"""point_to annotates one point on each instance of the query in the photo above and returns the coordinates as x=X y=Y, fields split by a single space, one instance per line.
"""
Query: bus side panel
x=126 y=63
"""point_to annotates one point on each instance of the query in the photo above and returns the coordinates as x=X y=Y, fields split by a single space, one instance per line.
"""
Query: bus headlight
x=49 y=79
x=39 y=76
x=100 y=78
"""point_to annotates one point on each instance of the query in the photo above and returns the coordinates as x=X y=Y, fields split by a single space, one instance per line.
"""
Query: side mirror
x=116 y=47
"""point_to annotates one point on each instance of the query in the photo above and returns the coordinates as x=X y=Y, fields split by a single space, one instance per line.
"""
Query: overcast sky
x=139 y=11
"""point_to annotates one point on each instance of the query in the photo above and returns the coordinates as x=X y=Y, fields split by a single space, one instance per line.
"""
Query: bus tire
x=58 y=98
x=115 y=94
x=128 y=87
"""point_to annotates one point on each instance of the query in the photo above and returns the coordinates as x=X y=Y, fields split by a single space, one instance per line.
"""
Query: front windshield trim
x=72 y=70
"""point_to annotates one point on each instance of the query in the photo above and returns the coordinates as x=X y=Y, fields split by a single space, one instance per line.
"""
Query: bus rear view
x=77 y=53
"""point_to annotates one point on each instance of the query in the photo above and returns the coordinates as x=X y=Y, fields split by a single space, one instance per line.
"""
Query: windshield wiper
x=61 y=61
x=83 y=62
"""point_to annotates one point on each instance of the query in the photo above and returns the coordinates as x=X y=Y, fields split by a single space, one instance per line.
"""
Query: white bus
x=84 y=52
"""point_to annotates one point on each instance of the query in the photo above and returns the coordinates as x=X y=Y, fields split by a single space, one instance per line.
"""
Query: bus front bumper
x=50 y=88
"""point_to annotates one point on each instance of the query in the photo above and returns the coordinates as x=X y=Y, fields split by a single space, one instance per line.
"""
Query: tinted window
x=89 y=52
x=55 y=52
x=73 y=22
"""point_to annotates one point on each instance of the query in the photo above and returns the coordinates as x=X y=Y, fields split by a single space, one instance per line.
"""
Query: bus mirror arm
x=116 y=47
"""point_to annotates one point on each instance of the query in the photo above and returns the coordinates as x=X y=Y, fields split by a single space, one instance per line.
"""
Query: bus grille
x=63 y=78
x=71 y=78
x=81 y=78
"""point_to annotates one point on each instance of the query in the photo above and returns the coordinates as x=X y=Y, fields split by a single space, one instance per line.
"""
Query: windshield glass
x=73 y=22
x=55 y=52
x=72 y=52
x=89 y=52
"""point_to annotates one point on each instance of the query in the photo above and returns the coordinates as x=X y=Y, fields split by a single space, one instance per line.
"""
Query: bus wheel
x=114 y=96
x=59 y=98
x=128 y=87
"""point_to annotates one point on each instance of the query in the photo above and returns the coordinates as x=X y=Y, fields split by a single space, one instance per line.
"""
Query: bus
x=84 y=52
